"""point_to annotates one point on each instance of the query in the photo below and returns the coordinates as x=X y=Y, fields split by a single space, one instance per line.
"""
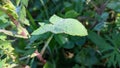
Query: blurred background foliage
x=100 y=48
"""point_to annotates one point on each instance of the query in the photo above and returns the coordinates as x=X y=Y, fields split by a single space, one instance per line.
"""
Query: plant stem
x=42 y=51
x=46 y=44
x=25 y=57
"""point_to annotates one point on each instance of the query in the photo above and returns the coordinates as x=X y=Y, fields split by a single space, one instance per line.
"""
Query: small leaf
x=17 y=2
x=71 y=14
x=79 y=41
x=69 y=45
x=2 y=37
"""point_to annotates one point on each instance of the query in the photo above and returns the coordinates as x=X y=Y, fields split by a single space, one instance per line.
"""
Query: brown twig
x=99 y=11
x=39 y=56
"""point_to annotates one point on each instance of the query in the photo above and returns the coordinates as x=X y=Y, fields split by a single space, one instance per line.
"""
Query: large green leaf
x=59 y=25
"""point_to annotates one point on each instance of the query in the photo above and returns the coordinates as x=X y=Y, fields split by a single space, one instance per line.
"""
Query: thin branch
x=25 y=57
x=46 y=44
x=35 y=54
x=39 y=56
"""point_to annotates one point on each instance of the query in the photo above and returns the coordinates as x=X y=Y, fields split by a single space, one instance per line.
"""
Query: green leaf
x=86 y=56
x=22 y=13
x=48 y=65
x=22 y=16
x=99 y=41
x=3 y=21
x=1 y=63
x=71 y=14
x=6 y=45
x=61 y=39
x=69 y=45
x=67 y=26
x=25 y=2
x=2 y=37
x=79 y=41
x=76 y=66
x=17 y=2
x=114 y=5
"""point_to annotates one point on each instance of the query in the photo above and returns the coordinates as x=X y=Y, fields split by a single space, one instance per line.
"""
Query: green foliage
x=8 y=7
x=71 y=14
x=63 y=33
x=48 y=65
x=114 y=5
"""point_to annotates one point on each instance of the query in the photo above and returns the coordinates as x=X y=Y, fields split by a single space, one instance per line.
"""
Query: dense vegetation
x=59 y=33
